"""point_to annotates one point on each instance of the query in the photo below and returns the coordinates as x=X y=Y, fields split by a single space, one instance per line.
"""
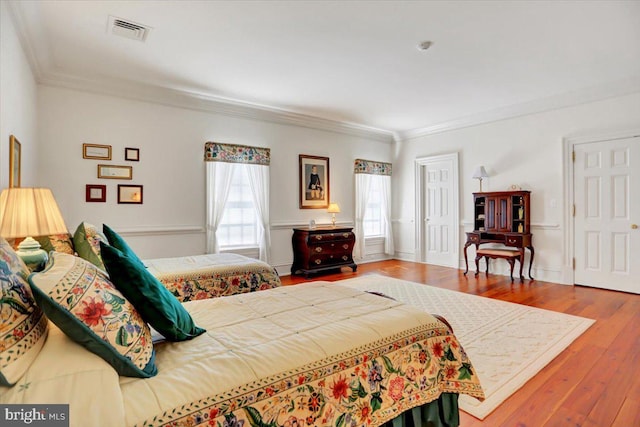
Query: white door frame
x=568 y=274
x=420 y=201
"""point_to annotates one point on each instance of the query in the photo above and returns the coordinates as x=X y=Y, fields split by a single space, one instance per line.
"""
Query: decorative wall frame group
x=97 y=193
x=15 y=159
x=313 y=182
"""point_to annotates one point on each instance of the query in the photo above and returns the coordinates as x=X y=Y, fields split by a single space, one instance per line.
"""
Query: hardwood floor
x=594 y=382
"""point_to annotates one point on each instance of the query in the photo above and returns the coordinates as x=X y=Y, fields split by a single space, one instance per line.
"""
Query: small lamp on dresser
x=26 y=212
x=480 y=173
x=333 y=210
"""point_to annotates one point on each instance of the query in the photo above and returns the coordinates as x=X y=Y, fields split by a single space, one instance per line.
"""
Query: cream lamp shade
x=480 y=173
x=333 y=210
x=26 y=212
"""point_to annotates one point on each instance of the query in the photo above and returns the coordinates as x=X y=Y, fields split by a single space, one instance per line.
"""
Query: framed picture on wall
x=96 y=151
x=96 y=193
x=132 y=154
x=115 y=172
x=130 y=194
x=15 y=154
x=313 y=181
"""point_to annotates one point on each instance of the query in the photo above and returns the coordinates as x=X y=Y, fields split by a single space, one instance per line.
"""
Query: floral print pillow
x=23 y=326
x=86 y=241
x=79 y=298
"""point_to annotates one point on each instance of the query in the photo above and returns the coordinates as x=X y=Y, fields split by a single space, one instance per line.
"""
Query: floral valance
x=372 y=168
x=231 y=153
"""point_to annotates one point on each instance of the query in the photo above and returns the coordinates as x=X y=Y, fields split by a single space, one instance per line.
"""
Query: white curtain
x=259 y=182
x=386 y=211
x=219 y=175
x=363 y=187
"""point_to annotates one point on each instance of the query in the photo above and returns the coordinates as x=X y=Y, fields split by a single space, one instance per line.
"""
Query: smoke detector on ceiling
x=129 y=29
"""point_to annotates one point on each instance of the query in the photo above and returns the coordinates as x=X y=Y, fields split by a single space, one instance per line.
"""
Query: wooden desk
x=519 y=241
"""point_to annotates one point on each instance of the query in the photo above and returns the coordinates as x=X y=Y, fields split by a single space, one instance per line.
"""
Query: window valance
x=372 y=168
x=231 y=153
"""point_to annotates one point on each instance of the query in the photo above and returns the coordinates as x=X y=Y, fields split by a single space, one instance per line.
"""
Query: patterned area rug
x=507 y=343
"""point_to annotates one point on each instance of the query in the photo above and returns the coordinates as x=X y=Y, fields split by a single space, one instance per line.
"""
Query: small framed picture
x=132 y=154
x=130 y=194
x=96 y=193
x=115 y=172
x=96 y=151
x=313 y=182
x=15 y=154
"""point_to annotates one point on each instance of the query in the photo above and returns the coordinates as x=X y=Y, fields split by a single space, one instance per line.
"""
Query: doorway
x=437 y=210
x=605 y=215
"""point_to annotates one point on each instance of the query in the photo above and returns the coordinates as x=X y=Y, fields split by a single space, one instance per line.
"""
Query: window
x=373 y=221
x=239 y=224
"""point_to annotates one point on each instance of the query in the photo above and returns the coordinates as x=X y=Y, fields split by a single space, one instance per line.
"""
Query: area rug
x=507 y=343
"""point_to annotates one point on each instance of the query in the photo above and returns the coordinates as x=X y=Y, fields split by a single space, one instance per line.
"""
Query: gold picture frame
x=15 y=157
x=313 y=182
x=115 y=172
x=96 y=151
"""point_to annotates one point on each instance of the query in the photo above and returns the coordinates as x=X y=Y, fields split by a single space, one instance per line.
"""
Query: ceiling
x=348 y=62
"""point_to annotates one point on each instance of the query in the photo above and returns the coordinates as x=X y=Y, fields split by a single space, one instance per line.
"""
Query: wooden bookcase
x=502 y=212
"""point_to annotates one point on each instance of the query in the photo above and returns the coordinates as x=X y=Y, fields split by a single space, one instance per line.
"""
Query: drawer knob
x=345 y=246
x=318 y=261
x=345 y=235
x=318 y=237
x=318 y=249
x=344 y=257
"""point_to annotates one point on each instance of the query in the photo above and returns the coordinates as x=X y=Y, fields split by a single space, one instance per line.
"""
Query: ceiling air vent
x=128 y=29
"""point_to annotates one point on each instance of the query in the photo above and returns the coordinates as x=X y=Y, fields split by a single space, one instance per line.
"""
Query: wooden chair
x=510 y=255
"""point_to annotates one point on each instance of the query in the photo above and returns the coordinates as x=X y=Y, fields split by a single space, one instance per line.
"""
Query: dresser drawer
x=329 y=247
x=325 y=260
x=328 y=237
x=473 y=238
x=513 y=241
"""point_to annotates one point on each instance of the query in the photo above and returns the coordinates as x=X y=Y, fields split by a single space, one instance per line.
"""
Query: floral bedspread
x=210 y=276
x=316 y=354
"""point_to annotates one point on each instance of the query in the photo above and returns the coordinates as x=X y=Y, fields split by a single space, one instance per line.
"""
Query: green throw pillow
x=86 y=241
x=118 y=242
x=154 y=302
x=81 y=300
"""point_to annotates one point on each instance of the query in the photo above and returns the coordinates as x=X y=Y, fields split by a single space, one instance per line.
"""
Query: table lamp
x=333 y=210
x=26 y=212
x=480 y=173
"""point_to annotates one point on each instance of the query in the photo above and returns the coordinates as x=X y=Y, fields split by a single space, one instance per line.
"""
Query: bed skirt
x=442 y=412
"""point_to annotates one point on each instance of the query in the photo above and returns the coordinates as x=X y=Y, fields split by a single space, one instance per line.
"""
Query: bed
x=315 y=354
x=212 y=275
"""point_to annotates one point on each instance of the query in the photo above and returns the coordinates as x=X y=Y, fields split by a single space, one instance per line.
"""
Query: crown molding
x=38 y=55
x=208 y=103
x=613 y=89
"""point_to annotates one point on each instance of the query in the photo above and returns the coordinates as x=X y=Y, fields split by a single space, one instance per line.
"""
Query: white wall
x=526 y=151
x=18 y=98
x=172 y=171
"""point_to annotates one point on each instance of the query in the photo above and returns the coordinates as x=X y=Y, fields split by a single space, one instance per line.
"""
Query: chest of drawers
x=322 y=249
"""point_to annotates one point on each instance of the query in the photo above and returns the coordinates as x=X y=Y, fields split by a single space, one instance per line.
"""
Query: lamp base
x=33 y=256
x=333 y=220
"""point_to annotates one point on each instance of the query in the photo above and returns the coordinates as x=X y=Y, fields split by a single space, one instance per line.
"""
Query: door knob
x=634 y=226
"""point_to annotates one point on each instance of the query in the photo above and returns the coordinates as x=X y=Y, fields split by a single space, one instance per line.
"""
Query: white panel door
x=607 y=216
x=438 y=217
